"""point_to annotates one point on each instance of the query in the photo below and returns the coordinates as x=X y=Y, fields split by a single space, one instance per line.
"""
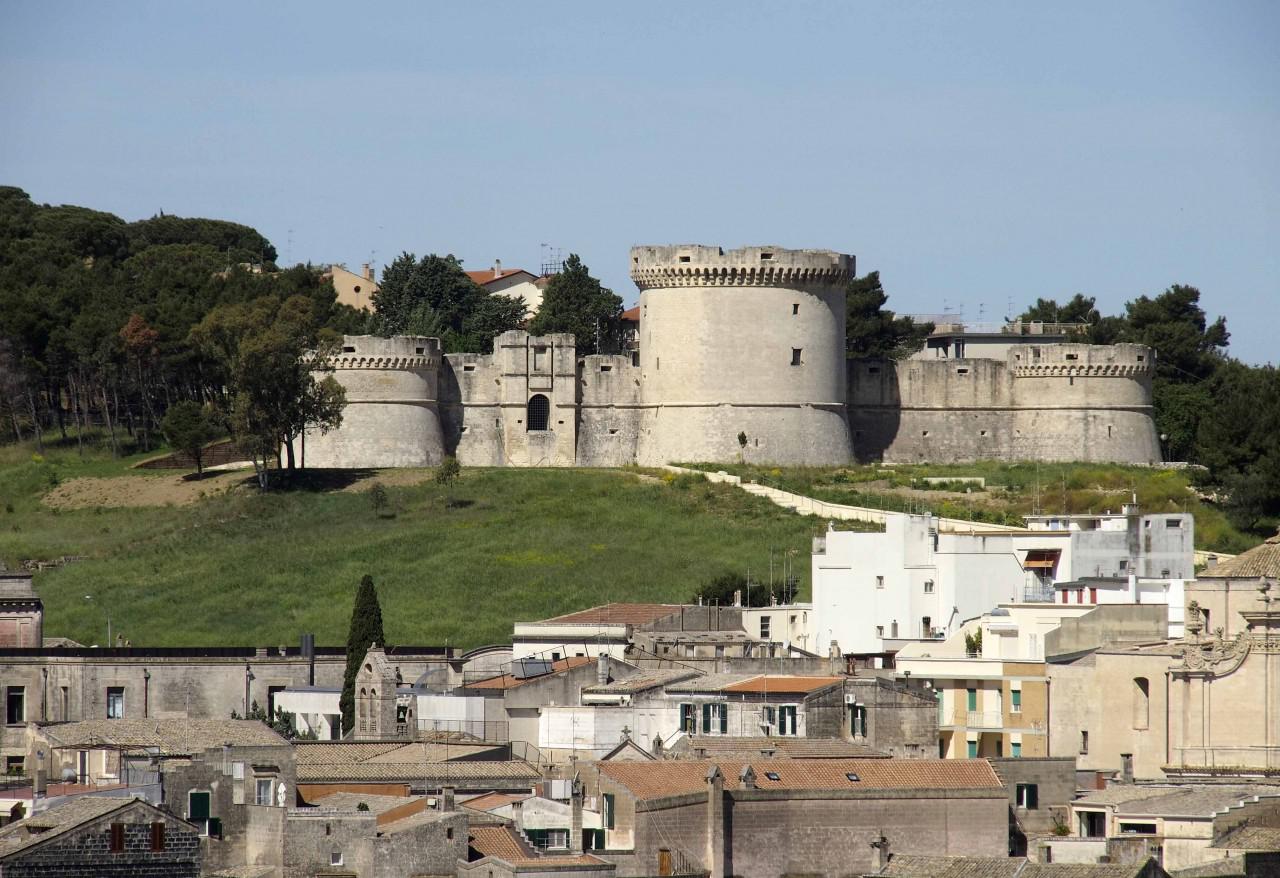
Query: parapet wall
x=1061 y=402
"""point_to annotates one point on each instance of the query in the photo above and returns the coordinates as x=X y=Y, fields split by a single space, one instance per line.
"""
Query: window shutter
x=199 y=806
x=157 y=836
x=706 y=719
x=724 y=719
x=117 y=838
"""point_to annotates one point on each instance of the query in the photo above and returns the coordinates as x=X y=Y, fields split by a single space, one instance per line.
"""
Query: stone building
x=92 y=837
x=21 y=612
x=740 y=357
x=762 y=817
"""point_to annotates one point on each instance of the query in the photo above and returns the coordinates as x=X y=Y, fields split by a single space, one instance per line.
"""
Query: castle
x=741 y=357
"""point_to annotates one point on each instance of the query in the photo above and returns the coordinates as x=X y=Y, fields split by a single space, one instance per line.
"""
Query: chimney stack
x=714 y=859
x=308 y=651
x=446 y=798
x=368 y=271
x=497 y=269
x=1126 y=767
x=602 y=669
x=737 y=597
x=575 y=820
x=517 y=814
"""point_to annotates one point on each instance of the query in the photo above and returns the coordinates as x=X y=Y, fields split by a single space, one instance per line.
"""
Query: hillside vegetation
x=1009 y=491
x=244 y=567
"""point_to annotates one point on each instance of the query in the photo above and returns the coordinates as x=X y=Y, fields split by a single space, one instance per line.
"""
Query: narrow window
x=610 y=810
x=606 y=368
x=893 y=628
x=766 y=255
x=928 y=586
x=420 y=350
x=685 y=258
x=348 y=350
x=15 y=705
x=1016 y=749
x=973 y=749
x=973 y=699
x=795 y=356
x=795 y=308
x=1173 y=522
x=962 y=371
x=764 y=627
x=157 y=836
x=1141 y=702
x=537 y=413
x=1015 y=701
x=879 y=631
x=468 y=367
x=1108 y=431
x=262 y=791
x=115 y=702
x=1084 y=742
x=117 y=838
x=879 y=582
x=1027 y=795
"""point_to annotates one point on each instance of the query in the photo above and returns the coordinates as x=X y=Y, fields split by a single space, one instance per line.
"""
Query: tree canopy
x=575 y=302
x=365 y=630
x=872 y=332
x=433 y=296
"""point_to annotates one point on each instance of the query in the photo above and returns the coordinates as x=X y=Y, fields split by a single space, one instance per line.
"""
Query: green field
x=248 y=568
x=1011 y=491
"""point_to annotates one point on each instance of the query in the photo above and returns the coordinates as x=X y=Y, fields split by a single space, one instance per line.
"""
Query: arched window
x=1141 y=702
x=538 y=413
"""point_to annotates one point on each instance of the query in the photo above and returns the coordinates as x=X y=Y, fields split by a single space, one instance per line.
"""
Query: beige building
x=1202 y=705
x=354 y=289
x=514 y=282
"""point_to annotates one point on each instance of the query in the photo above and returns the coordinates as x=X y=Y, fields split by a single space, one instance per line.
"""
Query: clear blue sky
x=976 y=154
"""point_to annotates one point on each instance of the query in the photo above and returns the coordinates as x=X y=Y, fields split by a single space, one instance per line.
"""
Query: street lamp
x=106 y=610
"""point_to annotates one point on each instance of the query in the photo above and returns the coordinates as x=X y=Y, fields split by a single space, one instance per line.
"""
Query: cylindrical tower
x=742 y=354
x=392 y=416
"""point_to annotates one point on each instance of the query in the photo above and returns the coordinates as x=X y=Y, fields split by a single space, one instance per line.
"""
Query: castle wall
x=392 y=417
x=609 y=412
x=747 y=341
x=1061 y=402
x=486 y=402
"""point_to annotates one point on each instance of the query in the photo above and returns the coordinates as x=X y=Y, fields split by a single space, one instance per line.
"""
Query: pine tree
x=366 y=630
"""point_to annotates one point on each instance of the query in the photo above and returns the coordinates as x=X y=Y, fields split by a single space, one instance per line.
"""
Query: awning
x=1041 y=559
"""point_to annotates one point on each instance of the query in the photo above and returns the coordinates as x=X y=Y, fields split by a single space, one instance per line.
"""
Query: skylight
x=853 y=777
x=772 y=775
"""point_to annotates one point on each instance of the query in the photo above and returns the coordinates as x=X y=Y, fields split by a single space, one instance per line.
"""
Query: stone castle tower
x=738 y=344
x=392 y=417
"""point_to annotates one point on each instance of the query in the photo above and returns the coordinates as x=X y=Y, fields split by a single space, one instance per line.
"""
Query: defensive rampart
x=1053 y=403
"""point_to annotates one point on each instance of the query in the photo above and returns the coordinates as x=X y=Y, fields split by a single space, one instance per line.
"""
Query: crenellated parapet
x=696 y=265
x=1085 y=370
x=399 y=353
x=348 y=361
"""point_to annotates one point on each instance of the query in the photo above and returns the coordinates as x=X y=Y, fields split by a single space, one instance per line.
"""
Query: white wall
x=315 y=711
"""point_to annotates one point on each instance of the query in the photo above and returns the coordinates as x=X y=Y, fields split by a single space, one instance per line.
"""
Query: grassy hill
x=239 y=567
x=1009 y=491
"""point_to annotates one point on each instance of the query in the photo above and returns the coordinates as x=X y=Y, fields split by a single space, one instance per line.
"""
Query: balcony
x=1038 y=594
x=978 y=719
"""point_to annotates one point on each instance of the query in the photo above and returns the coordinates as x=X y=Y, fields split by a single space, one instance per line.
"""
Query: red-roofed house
x=795 y=816
x=514 y=282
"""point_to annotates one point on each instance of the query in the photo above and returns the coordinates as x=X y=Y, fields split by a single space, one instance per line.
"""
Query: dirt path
x=157 y=490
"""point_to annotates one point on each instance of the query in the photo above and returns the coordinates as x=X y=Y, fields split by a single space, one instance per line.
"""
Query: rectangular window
x=1173 y=522
x=1015 y=701
x=1093 y=594
x=198 y=811
x=1016 y=749
x=609 y=810
x=787 y=719
x=973 y=749
x=706 y=719
x=117 y=838
x=928 y=586
x=858 y=722
x=115 y=702
x=724 y=718
x=262 y=791
x=795 y=308
x=1084 y=742
x=15 y=705
x=973 y=699
x=795 y=356
x=1137 y=829
x=1027 y=795
x=687 y=722
x=764 y=627
x=157 y=836
x=335 y=858
x=879 y=582
x=557 y=839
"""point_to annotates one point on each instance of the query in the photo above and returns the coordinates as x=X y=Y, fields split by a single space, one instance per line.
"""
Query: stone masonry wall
x=86 y=851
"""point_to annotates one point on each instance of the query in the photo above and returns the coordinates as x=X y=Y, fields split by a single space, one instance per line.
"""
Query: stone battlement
x=403 y=352
x=697 y=265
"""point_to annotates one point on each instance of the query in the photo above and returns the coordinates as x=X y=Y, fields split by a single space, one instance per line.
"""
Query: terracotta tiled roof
x=494 y=801
x=488 y=276
x=510 y=681
x=517 y=772
x=1263 y=560
x=654 y=780
x=500 y=842
x=170 y=737
x=619 y=614
x=632 y=315
x=784 y=684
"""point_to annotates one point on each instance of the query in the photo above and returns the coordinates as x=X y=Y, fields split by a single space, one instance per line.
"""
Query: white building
x=874 y=591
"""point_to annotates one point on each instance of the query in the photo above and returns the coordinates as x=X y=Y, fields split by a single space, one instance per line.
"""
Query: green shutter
x=973 y=749
x=973 y=699
x=706 y=719
x=724 y=719
x=215 y=827
x=1016 y=694
x=1017 y=750
x=608 y=812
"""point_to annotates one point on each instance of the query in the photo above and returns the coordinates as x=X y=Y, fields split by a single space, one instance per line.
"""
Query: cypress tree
x=366 y=630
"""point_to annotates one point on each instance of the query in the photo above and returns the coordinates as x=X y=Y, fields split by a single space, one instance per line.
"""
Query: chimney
x=835 y=658
x=517 y=814
x=747 y=778
x=714 y=860
x=602 y=669
x=881 y=845
x=575 y=823
x=497 y=269
x=308 y=651
x=367 y=271
x=446 y=799
x=1126 y=767
x=737 y=597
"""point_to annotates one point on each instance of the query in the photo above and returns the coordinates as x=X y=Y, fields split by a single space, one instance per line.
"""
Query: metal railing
x=1038 y=594
x=493 y=731
x=978 y=719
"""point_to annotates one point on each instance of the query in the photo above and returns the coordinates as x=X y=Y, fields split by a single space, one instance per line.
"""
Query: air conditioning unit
x=850 y=698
